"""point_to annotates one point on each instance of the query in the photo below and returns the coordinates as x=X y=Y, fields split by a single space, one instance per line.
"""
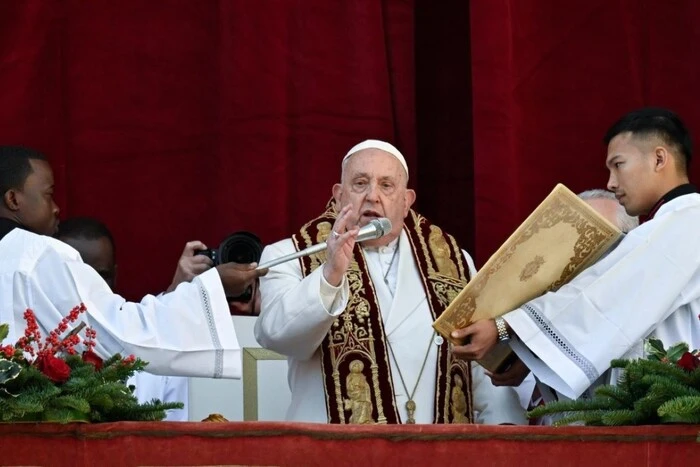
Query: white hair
x=625 y=222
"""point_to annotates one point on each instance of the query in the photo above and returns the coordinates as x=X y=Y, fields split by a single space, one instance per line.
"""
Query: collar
x=7 y=226
x=685 y=189
x=386 y=248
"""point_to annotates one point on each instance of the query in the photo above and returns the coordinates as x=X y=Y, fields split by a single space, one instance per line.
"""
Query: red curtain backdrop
x=549 y=77
x=187 y=119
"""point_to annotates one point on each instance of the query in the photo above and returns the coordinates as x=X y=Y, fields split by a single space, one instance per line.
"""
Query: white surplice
x=648 y=286
x=165 y=389
x=187 y=332
x=294 y=321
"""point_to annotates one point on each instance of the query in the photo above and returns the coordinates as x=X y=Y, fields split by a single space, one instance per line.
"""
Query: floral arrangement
x=663 y=388
x=50 y=381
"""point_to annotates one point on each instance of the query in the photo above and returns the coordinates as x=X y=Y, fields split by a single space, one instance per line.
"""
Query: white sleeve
x=494 y=405
x=293 y=318
x=569 y=337
x=186 y=332
x=470 y=264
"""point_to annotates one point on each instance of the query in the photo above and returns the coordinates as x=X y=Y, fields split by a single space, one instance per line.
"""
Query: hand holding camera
x=190 y=264
x=241 y=248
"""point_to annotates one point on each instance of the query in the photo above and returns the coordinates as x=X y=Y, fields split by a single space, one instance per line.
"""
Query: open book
x=562 y=237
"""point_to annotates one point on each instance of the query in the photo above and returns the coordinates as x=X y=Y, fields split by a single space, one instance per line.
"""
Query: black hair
x=88 y=228
x=15 y=166
x=661 y=123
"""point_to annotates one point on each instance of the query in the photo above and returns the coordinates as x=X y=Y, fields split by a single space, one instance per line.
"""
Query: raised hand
x=340 y=243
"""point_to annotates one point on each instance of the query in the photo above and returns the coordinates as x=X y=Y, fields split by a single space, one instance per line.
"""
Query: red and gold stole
x=354 y=355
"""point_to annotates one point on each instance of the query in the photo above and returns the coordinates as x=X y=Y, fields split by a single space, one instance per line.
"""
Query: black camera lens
x=241 y=248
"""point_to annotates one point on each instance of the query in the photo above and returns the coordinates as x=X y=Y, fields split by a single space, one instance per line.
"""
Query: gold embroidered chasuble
x=354 y=355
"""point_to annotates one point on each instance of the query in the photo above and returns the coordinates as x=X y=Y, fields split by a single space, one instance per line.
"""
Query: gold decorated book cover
x=561 y=237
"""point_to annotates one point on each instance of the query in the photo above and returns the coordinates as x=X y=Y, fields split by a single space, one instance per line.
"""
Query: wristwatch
x=503 y=335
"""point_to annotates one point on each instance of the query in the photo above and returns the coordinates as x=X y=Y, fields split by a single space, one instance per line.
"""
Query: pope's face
x=374 y=183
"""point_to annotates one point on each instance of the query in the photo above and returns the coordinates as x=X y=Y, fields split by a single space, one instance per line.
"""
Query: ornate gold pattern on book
x=563 y=236
x=531 y=268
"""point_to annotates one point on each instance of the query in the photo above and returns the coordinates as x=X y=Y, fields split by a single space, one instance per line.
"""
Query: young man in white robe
x=649 y=286
x=186 y=332
x=518 y=375
x=318 y=317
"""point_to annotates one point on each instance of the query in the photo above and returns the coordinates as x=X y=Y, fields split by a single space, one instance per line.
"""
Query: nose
x=612 y=182
x=56 y=210
x=373 y=193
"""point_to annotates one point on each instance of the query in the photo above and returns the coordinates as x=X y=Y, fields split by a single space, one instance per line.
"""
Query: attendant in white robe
x=95 y=244
x=298 y=312
x=185 y=332
x=531 y=393
x=649 y=286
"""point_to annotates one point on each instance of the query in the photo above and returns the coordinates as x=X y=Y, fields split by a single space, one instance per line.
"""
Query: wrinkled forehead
x=374 y=163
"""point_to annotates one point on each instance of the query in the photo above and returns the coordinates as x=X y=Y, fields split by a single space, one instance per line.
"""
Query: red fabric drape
x=308 y=444
x=184 y=120
x=550 y=77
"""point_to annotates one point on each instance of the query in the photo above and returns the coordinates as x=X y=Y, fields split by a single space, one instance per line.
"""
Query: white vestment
x=648 y=286
x=186 y=332
x=294 y=322
x=165 y=389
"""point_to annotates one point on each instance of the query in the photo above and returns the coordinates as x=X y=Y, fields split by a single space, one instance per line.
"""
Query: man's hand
x=514 y=375
x=236 y=278
x=190 y=265
x=340 y=243
x=481 y=336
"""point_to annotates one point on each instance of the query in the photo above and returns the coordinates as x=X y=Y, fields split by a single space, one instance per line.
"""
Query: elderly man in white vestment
x=186 y=332
x=648 y=286
x=355 y=320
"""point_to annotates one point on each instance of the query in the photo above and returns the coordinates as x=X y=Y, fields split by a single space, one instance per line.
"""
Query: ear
x=10 y=199
x=409 y=199
x=661 y=158
x=337 y=191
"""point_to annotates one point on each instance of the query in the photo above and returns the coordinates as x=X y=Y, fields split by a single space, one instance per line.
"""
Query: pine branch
x=681 y=410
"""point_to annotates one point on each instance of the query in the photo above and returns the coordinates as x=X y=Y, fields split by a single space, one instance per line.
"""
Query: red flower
x=91 y=357
x=54 y=368
x=689 y=362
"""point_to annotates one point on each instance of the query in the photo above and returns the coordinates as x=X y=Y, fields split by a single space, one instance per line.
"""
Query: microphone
x=375 y=229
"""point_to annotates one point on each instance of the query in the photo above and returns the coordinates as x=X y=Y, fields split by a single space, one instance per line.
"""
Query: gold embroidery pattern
x=446 y=277
x=355 y=364
x=441 y=252
x=458 y=404
x=531 y=268
x=359 y=401
x=590 y=234
x=351 y=347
